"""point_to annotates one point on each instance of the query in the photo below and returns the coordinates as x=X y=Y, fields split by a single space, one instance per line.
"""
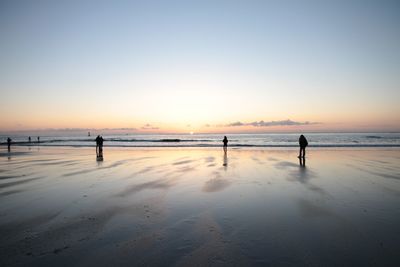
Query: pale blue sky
x=197 y=62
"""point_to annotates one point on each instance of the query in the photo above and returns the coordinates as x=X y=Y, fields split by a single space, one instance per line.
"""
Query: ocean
x=207 y=140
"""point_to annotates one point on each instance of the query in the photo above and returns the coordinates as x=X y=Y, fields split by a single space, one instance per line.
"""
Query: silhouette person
x=99 y=146
x=225 y=141
x=9 y=143
x=303 y=144
x=38 y=139
x=29 y=139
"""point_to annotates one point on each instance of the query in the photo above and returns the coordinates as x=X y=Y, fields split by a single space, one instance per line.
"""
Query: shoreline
x=267 y=147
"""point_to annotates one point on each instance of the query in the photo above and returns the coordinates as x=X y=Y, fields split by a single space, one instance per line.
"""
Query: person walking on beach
x=225 y=141
x=9 y=143
x=38 y=139
x=303 y=144
x=29 y=139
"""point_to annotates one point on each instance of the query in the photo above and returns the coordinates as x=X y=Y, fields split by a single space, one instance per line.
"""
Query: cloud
x=86 y=129
x=234 y=124
x=269 y=123
x=149 y=127
x=120 y=129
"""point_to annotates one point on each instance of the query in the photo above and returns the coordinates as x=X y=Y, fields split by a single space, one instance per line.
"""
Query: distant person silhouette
x=38 y=139
x=29 y=139
x=225 y=141
x=9 y=143
x=99 y=146
x=303 y=144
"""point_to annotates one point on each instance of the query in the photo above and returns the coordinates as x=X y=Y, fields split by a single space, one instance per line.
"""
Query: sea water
x=206 y=140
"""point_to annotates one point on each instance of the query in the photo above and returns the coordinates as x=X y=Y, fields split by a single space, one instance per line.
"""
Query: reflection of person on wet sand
x=303 y=143
x=9 y=143
x=225 y=141
x=225 y=164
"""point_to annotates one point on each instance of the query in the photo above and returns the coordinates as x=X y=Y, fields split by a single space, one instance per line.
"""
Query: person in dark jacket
x=225 y=141
x=98 y=145
x=9 y=143
x=303 y=144
x=101 y=146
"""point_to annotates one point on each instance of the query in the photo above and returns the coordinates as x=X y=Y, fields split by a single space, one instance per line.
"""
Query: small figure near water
x=88 y=134
x=29 y=139
x=225 y=141
x=99 y=147
x=38 y=139
x=303 y=144
x=9 y=143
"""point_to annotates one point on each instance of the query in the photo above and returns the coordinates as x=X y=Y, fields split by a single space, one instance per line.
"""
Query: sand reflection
x=225 y=160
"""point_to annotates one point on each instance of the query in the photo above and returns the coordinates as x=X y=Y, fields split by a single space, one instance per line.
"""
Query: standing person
x=225 y=141
x=97 y=145
x=9 y=143
x=303 y=144
x=38 y=139
x=29 y=139
x=101 y=146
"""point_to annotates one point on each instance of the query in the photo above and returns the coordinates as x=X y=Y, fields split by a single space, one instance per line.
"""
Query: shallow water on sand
x=199 y=207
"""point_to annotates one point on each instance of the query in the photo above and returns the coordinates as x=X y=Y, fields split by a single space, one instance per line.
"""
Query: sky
x=200 y=66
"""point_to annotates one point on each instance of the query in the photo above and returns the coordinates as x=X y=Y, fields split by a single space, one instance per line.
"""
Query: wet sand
x=198 y=207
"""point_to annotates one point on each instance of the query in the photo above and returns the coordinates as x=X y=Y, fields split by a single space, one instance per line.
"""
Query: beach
x=199 y=207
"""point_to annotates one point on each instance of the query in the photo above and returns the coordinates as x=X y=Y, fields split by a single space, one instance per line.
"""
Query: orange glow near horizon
x=212 y=126
x=199 y=111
